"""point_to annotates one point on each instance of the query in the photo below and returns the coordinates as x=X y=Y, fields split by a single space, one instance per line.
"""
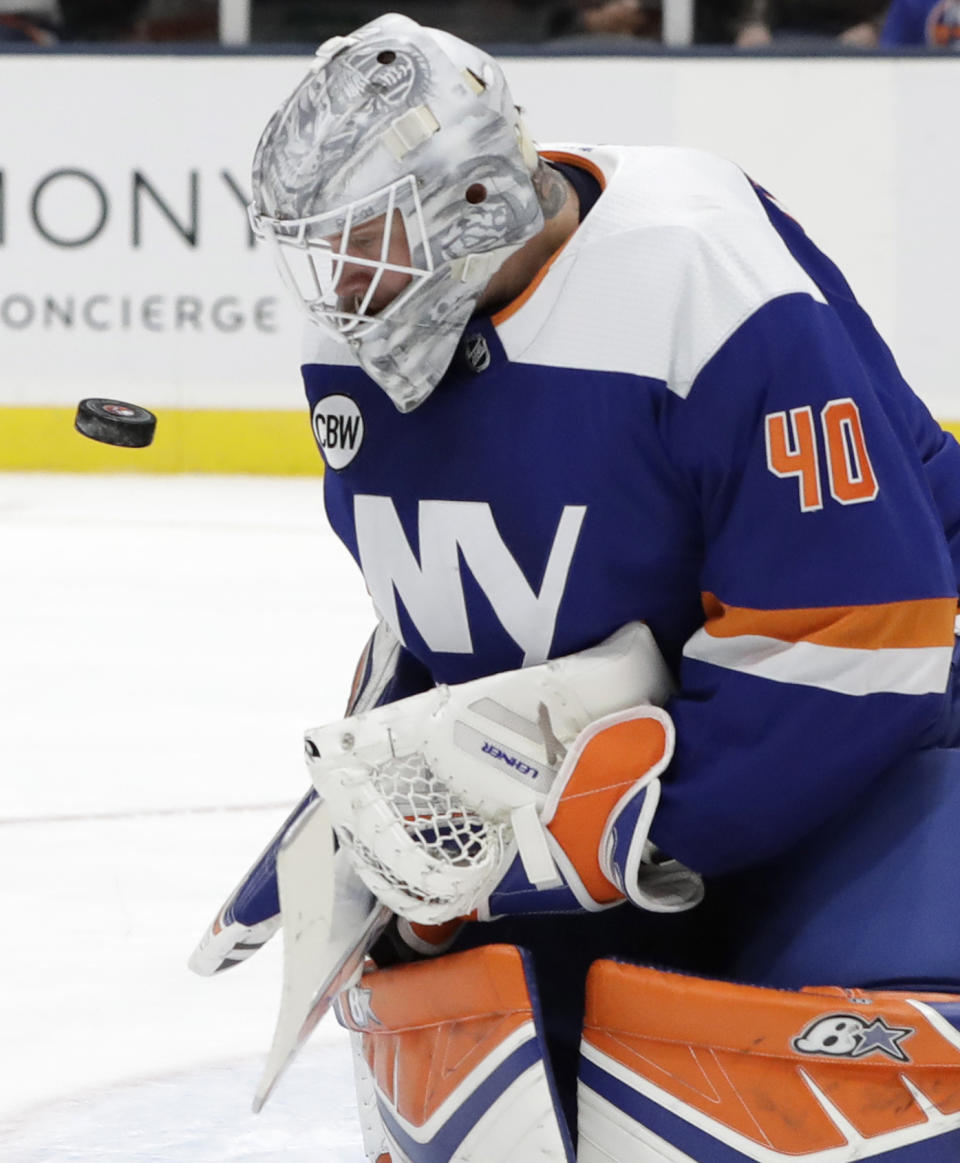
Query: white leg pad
x=608 y=1135
x=376 y=1146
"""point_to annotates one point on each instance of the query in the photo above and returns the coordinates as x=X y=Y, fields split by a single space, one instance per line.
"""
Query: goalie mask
x=391 y=185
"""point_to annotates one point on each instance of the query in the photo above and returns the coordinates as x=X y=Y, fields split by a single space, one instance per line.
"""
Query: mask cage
x=312 y=254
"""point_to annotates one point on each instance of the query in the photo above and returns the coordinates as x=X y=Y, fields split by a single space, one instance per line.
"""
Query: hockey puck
x=114 y=422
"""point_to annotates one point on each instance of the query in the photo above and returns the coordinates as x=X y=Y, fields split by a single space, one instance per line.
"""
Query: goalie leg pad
x=376 y=1145
x=677 y=1068
x=454 y=1051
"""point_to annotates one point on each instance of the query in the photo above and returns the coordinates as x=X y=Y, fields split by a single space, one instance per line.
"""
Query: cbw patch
x=338 y=428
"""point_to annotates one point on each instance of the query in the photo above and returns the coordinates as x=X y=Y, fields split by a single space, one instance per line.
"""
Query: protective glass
x=353 y=267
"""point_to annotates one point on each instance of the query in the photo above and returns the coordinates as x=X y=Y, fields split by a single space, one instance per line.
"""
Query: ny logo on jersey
x=431 y=589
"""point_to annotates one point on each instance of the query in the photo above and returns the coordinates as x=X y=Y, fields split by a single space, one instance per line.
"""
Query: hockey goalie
x=638 y=841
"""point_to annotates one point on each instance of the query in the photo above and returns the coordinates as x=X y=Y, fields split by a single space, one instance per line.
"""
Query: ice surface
x=164 y=642
x=202 y=1115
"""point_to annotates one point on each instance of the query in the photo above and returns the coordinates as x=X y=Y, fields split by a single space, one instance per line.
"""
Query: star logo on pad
x=849 y=1036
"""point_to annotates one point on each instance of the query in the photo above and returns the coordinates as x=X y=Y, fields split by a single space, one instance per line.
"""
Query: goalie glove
x=597 y=818
x=531 y=790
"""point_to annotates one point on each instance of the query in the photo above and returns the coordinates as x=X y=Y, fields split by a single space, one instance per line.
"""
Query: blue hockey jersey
x=685 y=419
x=935 y=23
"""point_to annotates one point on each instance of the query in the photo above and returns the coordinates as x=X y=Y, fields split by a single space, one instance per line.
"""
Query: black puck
x=115 y=422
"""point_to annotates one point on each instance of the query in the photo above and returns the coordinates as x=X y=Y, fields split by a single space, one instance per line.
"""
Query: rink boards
x=129 y=269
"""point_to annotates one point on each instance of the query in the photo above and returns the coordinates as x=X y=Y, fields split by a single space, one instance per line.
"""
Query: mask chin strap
x=479 y=268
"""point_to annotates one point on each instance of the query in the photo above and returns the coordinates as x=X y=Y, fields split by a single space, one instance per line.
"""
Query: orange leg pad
x=720 y=1073
x=456 y=1057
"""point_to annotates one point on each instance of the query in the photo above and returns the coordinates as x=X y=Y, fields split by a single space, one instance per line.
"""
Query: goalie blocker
x=673 y=1069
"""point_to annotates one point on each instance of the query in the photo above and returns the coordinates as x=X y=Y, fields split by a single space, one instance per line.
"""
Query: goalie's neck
x=561 y=210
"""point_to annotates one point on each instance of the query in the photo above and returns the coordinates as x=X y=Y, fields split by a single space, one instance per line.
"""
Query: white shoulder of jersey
x=321 y=346
x=674 y=256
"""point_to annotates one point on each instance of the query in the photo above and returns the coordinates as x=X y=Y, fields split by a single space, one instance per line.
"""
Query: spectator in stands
x=757 y=23
x=104 y=20
x=27 y=27
x=931 y=22
x=80 y=20
x=616 y=17
x=479 y=21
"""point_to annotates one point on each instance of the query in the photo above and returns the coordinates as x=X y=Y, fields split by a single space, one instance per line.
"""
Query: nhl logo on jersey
x=338 y=428
x=849 y=1036
x=477 y=351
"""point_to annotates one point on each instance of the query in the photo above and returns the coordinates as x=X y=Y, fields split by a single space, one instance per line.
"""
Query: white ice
x=164 y=642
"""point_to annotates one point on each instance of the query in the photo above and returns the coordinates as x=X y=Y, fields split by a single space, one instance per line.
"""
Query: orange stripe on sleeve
x=911 y=624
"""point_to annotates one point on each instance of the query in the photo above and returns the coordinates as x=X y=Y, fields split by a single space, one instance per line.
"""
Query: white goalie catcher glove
x=527 y=791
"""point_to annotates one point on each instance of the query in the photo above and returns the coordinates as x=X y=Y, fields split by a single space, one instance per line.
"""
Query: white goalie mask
x=391 y=185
